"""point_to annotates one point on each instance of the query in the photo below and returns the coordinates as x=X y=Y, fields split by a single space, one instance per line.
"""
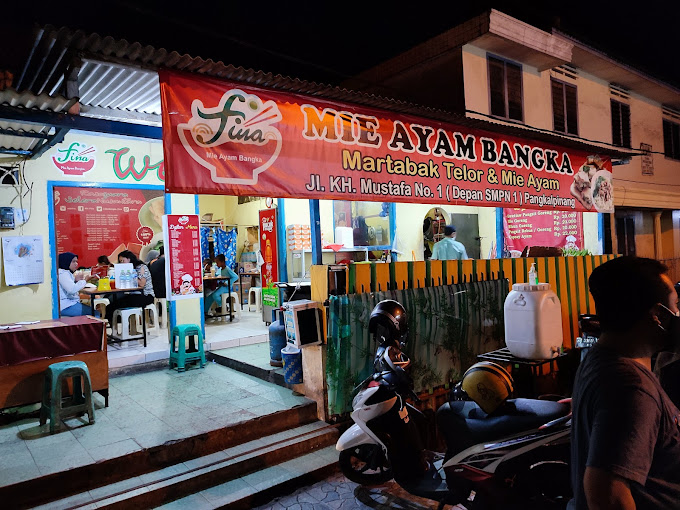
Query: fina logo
x=183 y=220
x=77 y=159
x=239 y=118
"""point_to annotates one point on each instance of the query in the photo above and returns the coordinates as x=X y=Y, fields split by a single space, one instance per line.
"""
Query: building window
x=505 y=89
x=671 y=139
x=620 y=124
x=565 y=111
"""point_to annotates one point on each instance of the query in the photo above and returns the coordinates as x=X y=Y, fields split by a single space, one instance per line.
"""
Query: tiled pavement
x=219 y=334
x=338 y=493
x=146 y=409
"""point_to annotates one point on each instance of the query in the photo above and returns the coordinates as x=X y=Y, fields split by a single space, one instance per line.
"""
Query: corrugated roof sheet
x=22 y=140
x=115 y=75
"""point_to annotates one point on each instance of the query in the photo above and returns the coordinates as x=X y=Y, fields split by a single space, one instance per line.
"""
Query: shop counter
x=26 y=351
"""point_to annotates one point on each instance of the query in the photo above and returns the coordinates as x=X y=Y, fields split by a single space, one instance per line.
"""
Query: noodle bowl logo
x=77 y=159
x=238 y=119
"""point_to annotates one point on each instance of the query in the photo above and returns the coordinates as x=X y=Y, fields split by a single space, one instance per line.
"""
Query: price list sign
x=184 y=275
x=525 y=227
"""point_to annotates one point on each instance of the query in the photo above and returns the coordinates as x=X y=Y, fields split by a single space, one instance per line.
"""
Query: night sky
x=328 y=42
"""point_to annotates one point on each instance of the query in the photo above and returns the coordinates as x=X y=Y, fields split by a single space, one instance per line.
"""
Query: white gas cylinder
x=533 y=321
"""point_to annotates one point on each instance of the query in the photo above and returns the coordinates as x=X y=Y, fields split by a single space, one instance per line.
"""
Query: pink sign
x=183 y=251
x=527 y=227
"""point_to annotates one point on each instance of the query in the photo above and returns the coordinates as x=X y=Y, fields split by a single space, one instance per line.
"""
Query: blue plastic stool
x=52 y=402
x=179 y=356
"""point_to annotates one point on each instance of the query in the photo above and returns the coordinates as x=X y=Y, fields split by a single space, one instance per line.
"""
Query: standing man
x=625 y=441
x=223 y=288
x=448 y=248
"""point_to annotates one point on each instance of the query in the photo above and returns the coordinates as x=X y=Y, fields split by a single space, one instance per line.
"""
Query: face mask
x=672 y=329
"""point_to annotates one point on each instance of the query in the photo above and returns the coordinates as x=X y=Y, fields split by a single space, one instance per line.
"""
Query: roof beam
x=61 y=120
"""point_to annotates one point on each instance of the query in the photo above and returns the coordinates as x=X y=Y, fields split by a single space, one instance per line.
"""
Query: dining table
x=114 y=294
x=218 y=279
x=28 y=348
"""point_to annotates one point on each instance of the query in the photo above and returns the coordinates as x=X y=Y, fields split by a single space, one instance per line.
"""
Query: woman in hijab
x=133 y=299
x=70 y=285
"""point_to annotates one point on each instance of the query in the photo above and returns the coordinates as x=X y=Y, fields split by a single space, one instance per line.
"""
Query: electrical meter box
x=7 y=217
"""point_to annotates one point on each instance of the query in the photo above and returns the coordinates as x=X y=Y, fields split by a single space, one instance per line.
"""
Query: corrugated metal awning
x=117 y=80
x=20 y=139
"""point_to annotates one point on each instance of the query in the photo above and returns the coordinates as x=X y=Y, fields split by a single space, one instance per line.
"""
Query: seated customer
x=70 y=285
x=223 y=288
x=133 y=299
x=157 y=269
x=103 y=260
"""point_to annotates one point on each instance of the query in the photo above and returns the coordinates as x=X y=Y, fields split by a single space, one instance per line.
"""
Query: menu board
x=268 y=247
x=105 y=221
x=184 y=275
x=528 y=227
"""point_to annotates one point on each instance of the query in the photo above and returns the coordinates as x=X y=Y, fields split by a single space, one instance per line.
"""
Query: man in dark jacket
x=625 y=439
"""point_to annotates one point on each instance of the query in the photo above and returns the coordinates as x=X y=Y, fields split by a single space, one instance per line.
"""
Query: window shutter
x=497 y=86
x=667 y=138
x=625 y=125
x=571 y=107
x=617 y=139
x=558 y=106
x=514 y=83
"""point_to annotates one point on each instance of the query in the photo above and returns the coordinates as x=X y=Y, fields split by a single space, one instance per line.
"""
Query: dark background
x=328 y=42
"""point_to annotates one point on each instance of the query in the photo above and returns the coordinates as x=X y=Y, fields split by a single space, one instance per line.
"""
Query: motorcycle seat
x=464 y=424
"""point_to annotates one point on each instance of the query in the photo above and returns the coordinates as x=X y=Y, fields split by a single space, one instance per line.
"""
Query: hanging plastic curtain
x=205 y=244
x=225 y=242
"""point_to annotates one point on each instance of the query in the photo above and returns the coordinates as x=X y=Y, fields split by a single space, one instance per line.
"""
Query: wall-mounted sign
x=76 y=159
x=125 y=165
x=221 y=137
x=183 y=277
x=268 y=247
x=527 y=227
x=105 y=221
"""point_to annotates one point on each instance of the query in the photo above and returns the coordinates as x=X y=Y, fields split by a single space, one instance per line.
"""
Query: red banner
x=228 y=138
x=105 y=221
x=268 y=247
x=183 y=251
x=522 y=228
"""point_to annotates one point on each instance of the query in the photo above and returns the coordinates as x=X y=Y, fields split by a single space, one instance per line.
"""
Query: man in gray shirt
x=625 y=437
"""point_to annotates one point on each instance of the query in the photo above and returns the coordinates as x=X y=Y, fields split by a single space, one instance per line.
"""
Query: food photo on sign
x=106 y=221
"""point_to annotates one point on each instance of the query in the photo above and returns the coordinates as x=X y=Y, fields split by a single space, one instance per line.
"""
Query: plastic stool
x=52 y=404
x=127 y=325
x=151 y=316
x=256 y=293
x=179 y=355
x=103 y=303
x=162 y=307
x=232 y=300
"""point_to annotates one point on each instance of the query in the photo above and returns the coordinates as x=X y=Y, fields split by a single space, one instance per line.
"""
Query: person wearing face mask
x=625 y=440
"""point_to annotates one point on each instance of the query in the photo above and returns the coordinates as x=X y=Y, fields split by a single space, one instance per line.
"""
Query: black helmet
x=392 y=316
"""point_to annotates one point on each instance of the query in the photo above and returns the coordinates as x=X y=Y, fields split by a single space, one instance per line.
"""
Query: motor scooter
x=517 y=457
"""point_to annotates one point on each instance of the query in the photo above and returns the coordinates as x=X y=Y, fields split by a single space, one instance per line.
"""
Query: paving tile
x=122 y=497
x=100 y=435
x=114 y=488
x=8 y=433
x=304 y=464
x=170 y=471
x=268 y=477
x=64 y=449
x=228 y=492
x=194 y=502
x=67 y=503
x=268 y=408
x=17 y=472
x=61 y=464
x=111 y=451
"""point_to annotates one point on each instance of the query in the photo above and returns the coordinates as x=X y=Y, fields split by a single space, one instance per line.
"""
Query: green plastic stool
x=52 y=402
x=179 y=356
